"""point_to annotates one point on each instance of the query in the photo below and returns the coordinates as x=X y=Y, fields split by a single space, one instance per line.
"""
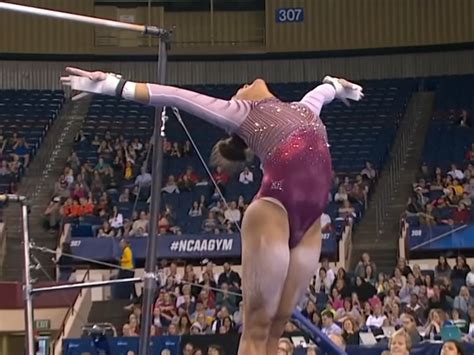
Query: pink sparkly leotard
x=289 y=138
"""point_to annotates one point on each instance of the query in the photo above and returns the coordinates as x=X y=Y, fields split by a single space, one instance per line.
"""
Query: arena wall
x=327 y=25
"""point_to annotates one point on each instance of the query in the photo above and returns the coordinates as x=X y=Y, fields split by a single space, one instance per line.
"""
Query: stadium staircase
x=110 y=311
x=378 y=231
x=38 y=185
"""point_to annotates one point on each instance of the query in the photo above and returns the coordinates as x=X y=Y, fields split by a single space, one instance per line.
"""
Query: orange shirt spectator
x=86 y=207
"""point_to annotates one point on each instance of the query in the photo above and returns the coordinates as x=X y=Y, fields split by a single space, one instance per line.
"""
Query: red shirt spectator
x=192 y=176
x=460 y=215
x=470 y=153
x=220 y=176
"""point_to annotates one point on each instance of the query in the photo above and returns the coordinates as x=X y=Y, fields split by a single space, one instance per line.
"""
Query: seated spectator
x=166 y=146
x=210 y=223
x=4 y=168
x=350 y=331
x=434 y=324
x=124 y=196
x=335 y=300
x=377 y=319
x=232 y=214
x=137 y=145
x=400 y=343
x=187 y=149
x=409 y=326
x=116 y=219
x=369 y=275
x=466 y=200
x=171 y=186
x=191 y=175
x=341 y=195
x=140 y=226
x=128 y=171
x=364 y=290
x=369 y=172
x=144 y=179
x=246 y=176
x=21 y=150
x=463 y=301
x=196 y=210
x=321 y=283
x=225 y=299
x=52 y=214
x=459 y=322
x=87 y=207
x=326 y=226
x=164 y=225
x=414 y=307
x=229 y=276
x=184 y=325
x=408 y=289
x=394 y=316
x=106 y=231
x=220 y=176
x=175 y=150
x=329 y=327
x=460 y=215
x=347 y=212
x=470 y=280
x=241 y=205
x=364 y=261
x=357 y=195
x=442 y=269
x=455 y=173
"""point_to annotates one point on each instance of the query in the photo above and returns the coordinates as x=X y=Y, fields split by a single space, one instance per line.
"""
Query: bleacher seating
x=28 y=113
x=446 y=142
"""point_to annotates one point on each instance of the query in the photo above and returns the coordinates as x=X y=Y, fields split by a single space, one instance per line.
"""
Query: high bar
x=151 y=30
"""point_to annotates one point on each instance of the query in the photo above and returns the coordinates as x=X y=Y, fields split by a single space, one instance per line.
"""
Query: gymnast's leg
x=265 y=260
x=304 y=259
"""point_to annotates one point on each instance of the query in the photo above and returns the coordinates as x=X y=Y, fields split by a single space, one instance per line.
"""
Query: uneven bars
x=149 y=30
x=85 y=285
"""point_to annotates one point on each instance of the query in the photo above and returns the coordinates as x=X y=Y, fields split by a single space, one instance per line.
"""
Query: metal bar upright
x=29 y=317
x=149 y=287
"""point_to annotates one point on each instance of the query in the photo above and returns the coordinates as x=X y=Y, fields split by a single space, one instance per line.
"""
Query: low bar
x=85 y=285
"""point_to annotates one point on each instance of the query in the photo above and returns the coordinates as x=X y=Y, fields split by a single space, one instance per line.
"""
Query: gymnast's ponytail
x=231 y=154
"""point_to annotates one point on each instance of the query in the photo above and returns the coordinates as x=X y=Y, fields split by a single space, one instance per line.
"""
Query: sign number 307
x=295 y=14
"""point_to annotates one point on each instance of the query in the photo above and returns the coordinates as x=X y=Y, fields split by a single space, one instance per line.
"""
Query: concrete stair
x=378 y=231
x=38 y=185
x=110 y=311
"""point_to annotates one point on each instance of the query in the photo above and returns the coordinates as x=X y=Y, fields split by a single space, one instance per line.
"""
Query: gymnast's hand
x=96 y=82
x=345 y=90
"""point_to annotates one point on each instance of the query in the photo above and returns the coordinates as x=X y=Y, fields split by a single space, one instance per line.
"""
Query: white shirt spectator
x=456 y=173
x=332 y=329
x=232 y=214
x=470 y=279
x=375 y=321
x=117 y=221
x=325 y=220
x=340 y=197
x=143 y=180
x=246 y=176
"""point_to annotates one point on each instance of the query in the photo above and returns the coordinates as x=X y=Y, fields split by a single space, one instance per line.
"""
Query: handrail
x=70 y=311
x=393 y=170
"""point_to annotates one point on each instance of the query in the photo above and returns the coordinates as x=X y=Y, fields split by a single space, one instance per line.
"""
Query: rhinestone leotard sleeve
x=226 y=114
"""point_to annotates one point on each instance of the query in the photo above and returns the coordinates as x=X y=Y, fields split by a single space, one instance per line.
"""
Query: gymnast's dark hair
x=231 y=154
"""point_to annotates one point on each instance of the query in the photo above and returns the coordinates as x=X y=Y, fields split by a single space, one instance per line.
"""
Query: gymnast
x=281 y=232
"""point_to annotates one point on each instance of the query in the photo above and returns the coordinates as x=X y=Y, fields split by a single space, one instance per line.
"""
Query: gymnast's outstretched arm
x=318 y=97
x=330 y=89
x=226 y=114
